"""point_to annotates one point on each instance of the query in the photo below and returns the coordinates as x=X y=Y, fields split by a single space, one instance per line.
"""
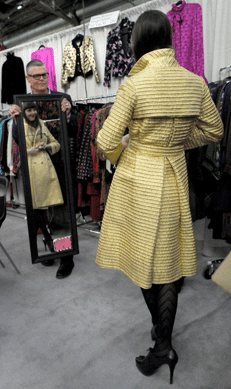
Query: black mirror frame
x=18 y=99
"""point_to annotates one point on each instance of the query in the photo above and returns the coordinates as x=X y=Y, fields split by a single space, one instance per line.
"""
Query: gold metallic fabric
x=147 y=231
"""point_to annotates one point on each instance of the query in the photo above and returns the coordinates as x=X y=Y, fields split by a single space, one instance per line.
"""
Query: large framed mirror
x=41 y=129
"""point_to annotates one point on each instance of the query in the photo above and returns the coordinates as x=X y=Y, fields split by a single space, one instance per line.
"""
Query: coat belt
x=156 y=151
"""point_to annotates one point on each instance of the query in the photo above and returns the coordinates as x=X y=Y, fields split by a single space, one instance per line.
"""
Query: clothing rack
x=51 y=120
x=85 y=222
x=86 y=99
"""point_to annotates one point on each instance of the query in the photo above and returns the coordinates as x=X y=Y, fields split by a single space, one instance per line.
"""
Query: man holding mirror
x=37 y=76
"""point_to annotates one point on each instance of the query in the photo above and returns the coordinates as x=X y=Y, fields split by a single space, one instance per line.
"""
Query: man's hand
x=15 y=111
x=66 y=106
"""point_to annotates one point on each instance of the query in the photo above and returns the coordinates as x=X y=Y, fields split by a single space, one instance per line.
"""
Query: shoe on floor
x=48 y=262
x=65 y=269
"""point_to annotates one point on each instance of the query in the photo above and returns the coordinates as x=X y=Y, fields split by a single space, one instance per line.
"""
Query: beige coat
x=44 y=182
x=147 y=231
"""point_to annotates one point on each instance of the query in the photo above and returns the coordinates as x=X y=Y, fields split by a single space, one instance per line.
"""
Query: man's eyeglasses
x=38 y=76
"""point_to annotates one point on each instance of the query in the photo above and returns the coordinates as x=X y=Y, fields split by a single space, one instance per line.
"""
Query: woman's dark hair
x=27 y=105
x=152 y=31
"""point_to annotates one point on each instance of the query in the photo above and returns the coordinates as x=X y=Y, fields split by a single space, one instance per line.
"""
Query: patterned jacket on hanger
x=78 y=60
x=187 y=26
x=117 y=60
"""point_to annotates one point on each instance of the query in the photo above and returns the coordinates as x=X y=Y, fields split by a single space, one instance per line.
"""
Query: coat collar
x=162 y=57
x=179 y=8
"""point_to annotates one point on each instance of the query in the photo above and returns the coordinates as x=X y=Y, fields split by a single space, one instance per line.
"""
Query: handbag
x=222 y=276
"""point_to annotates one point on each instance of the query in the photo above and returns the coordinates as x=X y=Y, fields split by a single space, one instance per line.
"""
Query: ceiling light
x=19 y=6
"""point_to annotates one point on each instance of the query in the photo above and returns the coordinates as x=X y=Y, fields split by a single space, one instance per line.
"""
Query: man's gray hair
x=34 y=62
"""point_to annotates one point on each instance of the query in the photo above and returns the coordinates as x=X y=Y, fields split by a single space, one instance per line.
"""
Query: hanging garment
x=13 y=78
x=3 y=144
x=46 y=55
x=78 y=60
x=85 y=164
x=119 y=57
x=186 y=21
x=101 y=116
x=9 y=151
x=147 y=230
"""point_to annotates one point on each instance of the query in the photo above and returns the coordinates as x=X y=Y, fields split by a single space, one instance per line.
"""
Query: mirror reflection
x=46 y=191
x=47 y=179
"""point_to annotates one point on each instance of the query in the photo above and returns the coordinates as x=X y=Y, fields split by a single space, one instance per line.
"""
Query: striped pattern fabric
x=147 y=231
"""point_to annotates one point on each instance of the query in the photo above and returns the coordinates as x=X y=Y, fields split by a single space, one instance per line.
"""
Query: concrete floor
x=84 y=332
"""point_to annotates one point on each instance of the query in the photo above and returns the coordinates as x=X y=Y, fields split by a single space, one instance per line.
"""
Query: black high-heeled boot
x=149 y=364
x=50 y=244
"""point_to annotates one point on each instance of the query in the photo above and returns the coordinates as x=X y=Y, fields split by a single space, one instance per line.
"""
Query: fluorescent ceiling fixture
x=19 y=6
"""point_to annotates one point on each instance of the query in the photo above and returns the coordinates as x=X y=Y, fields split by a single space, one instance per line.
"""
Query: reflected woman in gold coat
x=44 y=182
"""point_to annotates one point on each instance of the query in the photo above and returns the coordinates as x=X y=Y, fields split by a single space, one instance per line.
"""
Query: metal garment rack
x=227 y=68
x=86 y=99
x=87 y=222
x=51 y=120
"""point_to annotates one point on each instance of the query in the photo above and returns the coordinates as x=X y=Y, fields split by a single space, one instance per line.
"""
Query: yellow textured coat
x=44 y=182
x=147 y=231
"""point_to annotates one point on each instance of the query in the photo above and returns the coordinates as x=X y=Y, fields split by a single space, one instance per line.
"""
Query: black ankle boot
x=149 y=364
x=65 y=268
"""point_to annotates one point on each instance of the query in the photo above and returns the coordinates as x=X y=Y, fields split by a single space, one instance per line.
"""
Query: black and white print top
x=119 y=58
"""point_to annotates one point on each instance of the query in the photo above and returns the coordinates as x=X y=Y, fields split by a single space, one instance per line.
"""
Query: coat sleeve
x=64 y=72
x=208 y=127
x=108 y=61
x=54 y=144
x=91 y=57
x=110 y=136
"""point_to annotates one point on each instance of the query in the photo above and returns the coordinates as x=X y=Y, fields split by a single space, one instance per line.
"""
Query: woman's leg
x=162 y=301
x=166 y=297
x=150 y=297
x=167 y=306
x=40 y=222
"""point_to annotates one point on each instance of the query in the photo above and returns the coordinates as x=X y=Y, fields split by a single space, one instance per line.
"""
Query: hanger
x=10 y=54
x=124 y=22
x=78 y=38
x=41 y=47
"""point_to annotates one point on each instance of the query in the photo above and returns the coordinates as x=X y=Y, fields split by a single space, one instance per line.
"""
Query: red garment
x=96 y=171
x=94 y=191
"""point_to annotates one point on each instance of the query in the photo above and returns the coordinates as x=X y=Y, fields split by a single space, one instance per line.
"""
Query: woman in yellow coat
x=147 y=230
x=44 y=182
